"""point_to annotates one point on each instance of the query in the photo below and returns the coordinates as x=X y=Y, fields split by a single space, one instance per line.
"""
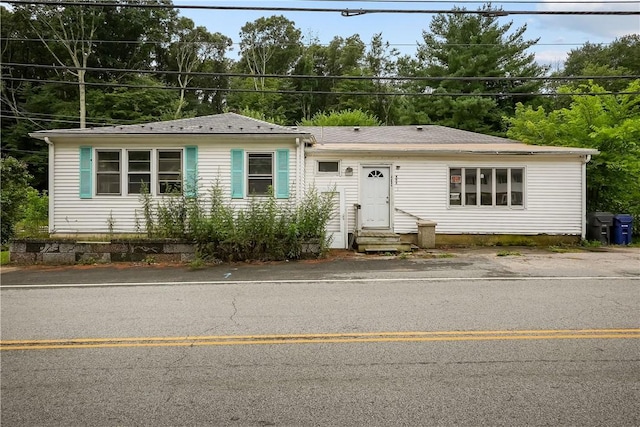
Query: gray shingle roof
x=422 y=139
x=421 y=134
x=227 y=123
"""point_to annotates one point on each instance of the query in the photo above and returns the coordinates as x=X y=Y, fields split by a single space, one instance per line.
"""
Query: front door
x=375 y=196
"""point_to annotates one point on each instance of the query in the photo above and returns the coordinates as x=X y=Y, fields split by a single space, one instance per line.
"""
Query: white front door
x=375 y=196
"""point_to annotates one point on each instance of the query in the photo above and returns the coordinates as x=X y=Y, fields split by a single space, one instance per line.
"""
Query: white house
x=383 y=178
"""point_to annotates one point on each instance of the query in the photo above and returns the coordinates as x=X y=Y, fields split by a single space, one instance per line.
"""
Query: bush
x=13 y=195
x=267 y=229
x=35 y=213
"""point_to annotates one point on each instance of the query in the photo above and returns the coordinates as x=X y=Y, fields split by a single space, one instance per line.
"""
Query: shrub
x=267 y=229
x=13 y=195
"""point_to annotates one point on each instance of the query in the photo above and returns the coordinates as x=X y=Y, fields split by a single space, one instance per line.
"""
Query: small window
x=329 y=167
x=139 y=169
x=260 y=173
x=169 y=171
x=108 y=172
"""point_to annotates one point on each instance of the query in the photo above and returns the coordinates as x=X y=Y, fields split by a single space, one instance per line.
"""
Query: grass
x=4 y=257
x=445 y=255
x=508 y=253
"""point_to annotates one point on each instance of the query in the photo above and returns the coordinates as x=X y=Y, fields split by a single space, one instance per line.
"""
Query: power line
x=476 y=1
x=104 y=119
x=342 y=11
x=323 y=77
x=351 y=93
x=160 y=42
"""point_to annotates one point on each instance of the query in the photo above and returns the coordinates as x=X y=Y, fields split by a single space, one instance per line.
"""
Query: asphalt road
x=542 y=339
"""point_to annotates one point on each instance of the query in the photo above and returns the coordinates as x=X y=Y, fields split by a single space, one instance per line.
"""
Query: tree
x=13 y=193
x=196 y=50
x=269 y=46
x=68 y=33
x=464 y=45
x=342 y=56
x=608 y=123
x=342 y=118
x=620 y=58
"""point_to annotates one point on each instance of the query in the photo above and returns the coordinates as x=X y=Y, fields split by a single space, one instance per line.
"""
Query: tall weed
x=267 y=229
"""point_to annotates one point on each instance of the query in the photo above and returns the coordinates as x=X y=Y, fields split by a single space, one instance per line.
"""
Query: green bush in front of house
x=267 y=229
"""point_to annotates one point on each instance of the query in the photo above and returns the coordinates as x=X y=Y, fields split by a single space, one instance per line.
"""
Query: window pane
x=108 y=161
x=138 y=181
x=328 y=167
x=139 y=161
x=259 y=186
x=108 y=184
x=260 y=164
x=455 y=187
x=516 y=187
x=486 y=187
x=501 y=187
x=168 y=187
x=169 y=161
x=470 y=196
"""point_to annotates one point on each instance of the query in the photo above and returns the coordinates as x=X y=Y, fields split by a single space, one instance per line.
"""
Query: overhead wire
x=172 y=42
x=345 y=12
x=322 y=77
x=311 y=92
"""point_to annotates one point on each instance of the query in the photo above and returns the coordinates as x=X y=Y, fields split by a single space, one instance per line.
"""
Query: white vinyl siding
x=552 y=193
x=73 y=215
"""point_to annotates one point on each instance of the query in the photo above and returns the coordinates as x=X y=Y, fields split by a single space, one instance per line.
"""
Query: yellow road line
x=331 y=338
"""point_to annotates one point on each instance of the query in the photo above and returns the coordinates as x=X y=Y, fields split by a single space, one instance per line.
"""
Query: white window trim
x=154 y=189
x=96 y=172
x=493 y=206
x=247 y=175
x=321 y=173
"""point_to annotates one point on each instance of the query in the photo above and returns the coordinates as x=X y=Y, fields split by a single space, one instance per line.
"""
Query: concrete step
x=398 y=247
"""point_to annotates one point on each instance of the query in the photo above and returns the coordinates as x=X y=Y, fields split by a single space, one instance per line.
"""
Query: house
x=384 y=179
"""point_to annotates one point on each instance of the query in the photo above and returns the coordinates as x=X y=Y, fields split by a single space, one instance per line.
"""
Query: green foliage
x=13 y=195
x=35 y=214
x=467 y=45
x=620 y=57
x=5 y=257
x=608 y=123
x=267 y=229
x=342 y=118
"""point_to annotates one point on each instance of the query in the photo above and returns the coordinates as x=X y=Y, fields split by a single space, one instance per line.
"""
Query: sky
x=557 y=34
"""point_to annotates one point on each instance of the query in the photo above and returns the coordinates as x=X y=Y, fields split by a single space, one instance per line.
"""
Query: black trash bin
x=621 y=232
x=599 y=226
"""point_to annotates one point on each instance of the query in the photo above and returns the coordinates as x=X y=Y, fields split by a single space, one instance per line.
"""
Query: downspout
x=586 y=159
x=299 y=169
x=51 y=182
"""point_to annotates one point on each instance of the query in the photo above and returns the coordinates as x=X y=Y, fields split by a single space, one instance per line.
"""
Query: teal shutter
x=237 y=174
x=282 y=174
x=191 y=171
x=86 y=173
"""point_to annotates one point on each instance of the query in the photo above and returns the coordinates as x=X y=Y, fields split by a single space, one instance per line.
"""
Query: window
x=486 y=187
x=157 y=171
x=260 y=173
x=139 y=167
x=169 y=171
x=329 y=167
x=108 y=172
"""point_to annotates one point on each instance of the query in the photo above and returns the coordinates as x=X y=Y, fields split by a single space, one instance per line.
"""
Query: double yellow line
x=365 y=337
